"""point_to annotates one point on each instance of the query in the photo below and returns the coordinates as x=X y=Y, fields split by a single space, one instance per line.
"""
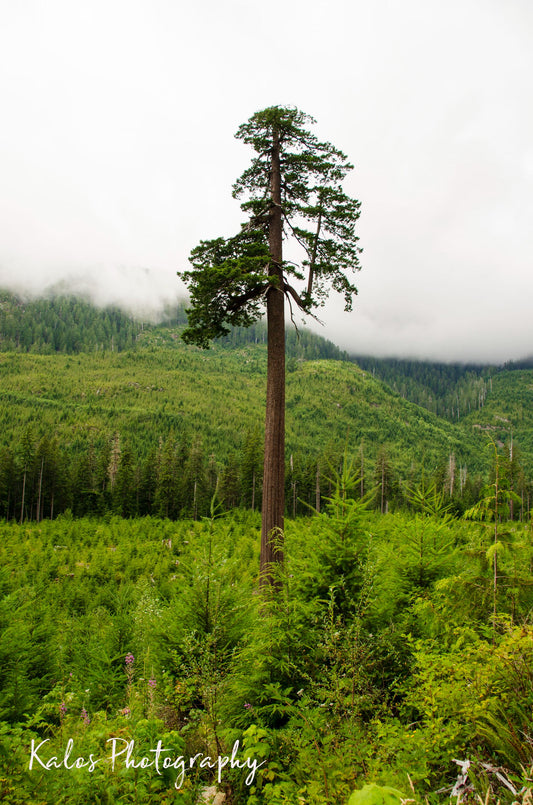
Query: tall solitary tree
x=292 y=191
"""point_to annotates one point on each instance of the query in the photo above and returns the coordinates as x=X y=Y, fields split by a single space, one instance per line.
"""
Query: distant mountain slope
x=71 y=325
x=496 y=401
x=218 y=395
x=508 y=411
x=141 y=379
x=66 y=324
x=450 y=390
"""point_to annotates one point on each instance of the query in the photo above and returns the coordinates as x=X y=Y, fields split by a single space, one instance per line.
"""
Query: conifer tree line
x=449 y=390
x=70 y=325
x=65 y=324
x=40 y=479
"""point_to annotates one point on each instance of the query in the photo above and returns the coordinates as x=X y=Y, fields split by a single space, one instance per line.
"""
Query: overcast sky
x=117 y=152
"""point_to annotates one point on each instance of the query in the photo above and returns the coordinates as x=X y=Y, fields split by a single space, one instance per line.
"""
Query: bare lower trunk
x=361 y=480
x=253 y=490
x=40 y=490
x=274 y=468
x=273 y=507
x=23 y=497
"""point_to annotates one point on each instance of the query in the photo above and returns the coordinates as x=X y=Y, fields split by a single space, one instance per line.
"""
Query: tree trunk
x=23 y=496
x=253 y=490
x=362 y=479
x=274 y=467
x=40 y=490
x=495 y=579
x=451 y=474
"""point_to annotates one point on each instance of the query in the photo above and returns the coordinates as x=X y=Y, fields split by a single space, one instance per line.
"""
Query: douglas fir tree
x=291 y=191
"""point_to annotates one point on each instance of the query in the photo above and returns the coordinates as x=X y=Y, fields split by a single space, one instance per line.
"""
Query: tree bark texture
x=274 y=467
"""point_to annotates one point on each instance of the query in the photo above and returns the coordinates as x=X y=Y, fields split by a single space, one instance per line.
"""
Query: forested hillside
x=393 y=663
x=133 y=421
x=450 y=390
x=154 y=430
x=507 y=414
x=63 y=324
x=70 y=324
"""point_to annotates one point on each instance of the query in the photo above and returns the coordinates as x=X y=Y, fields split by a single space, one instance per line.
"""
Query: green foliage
x=63 y=324
x=230 y=278
x=476 y=694
x=389 y=653
x=373 y=794
x=226 y=284
x=315 y=210
x=182 y=418
x=451 y=390
x=361 y=671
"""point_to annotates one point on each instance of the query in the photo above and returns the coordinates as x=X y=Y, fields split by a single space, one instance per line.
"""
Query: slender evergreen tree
x=292 y=190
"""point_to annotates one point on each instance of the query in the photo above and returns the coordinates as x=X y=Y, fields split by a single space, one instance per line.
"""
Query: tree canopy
x=231 y=276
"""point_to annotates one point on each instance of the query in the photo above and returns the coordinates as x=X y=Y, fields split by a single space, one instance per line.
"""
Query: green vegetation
x=380 y=663
x=193 y=416
x=70 y=325
x=450 y=390
x=508 y=411
x=62 y=324
x=395 y=664
x=179 y=420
